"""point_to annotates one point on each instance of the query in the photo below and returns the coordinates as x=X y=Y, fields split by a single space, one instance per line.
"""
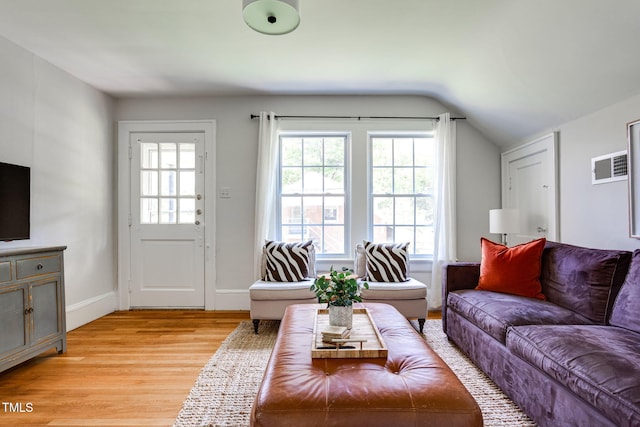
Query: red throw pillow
x=513 y=270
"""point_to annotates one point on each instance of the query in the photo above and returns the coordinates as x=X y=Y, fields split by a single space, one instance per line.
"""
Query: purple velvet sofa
x=572 y=360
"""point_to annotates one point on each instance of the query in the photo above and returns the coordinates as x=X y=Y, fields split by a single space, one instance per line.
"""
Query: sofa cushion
x=626 y=309
x=583 y=280
x=598 y=363
x=386 y=262
x=411 y=289
x=514 y=270
x=269 y=291
x=495 y=312
x=287 y=262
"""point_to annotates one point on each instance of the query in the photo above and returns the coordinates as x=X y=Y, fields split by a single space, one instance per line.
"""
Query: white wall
x=236 y=142
x=63 y=129
x=594 y=215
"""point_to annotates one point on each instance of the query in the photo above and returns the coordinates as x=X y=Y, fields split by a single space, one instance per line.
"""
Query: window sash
x=302 y=206
x=401 y=190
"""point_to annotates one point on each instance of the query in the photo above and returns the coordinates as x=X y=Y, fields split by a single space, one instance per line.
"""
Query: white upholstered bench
x=408 y=297
x=269 y=297
x=269 y=300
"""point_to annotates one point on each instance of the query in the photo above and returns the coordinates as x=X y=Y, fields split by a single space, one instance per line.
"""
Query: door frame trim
x=123 y=176
x=547 y=143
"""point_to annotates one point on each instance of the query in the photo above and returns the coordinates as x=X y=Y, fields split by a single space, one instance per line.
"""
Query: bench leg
x=421 y=324
x=256 y=322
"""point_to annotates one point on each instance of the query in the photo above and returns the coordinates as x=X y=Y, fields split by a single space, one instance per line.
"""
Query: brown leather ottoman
x=412 y=387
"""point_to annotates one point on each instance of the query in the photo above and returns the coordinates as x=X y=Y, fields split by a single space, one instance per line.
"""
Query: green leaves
x=339 y=288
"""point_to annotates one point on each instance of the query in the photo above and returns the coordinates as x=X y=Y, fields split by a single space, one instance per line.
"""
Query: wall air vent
x=609 y=168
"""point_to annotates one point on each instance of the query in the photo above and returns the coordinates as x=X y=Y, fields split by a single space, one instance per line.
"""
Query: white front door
x=167 y=220
x=529 y=185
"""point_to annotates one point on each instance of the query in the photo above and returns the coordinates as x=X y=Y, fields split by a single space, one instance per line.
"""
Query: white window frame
x=391 y=134
x=347 y=187
x=358 y=206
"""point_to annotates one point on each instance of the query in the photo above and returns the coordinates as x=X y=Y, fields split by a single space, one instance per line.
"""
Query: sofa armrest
x=457 y=276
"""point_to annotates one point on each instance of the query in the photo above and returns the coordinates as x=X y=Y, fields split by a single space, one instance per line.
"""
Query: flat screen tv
x=15 y=202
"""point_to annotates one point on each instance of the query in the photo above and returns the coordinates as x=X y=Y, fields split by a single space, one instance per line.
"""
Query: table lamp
x=503 y=222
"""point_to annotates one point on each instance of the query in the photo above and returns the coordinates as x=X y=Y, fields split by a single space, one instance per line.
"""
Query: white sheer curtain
x=445 y=250
x=266 y=174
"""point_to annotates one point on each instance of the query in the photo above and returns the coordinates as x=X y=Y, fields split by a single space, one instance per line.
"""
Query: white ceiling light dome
x=273 y=17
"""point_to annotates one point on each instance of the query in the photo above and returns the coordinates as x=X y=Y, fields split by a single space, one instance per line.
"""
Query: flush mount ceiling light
x=271 y=16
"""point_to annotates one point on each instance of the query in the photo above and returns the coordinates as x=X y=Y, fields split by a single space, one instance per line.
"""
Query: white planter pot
x=341 y=316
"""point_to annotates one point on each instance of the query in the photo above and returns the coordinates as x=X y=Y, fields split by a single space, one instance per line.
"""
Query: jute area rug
x=225 y=389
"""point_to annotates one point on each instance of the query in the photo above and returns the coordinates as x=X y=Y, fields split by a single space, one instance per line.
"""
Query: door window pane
x=168 y=183
x=149 y=183
x=168 y=155
x=187 y=183
x=187 y=156
x=148 y=211
x=149 y=157
x=187 y=213
x=168 y=211
x=167 y=192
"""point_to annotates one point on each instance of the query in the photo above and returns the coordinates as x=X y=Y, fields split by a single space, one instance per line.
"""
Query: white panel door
x=167 y=221
x=529 y=185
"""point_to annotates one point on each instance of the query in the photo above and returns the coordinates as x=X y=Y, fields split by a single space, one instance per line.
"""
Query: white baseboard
x=232 y=299
x=91 y=309
x=94 y=308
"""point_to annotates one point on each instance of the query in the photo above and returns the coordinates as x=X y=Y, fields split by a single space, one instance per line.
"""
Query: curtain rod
x=255 y=116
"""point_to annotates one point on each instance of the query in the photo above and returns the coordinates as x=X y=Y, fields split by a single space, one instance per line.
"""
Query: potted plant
x=339 y=290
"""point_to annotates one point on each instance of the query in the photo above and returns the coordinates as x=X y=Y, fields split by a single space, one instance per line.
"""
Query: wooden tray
x=363 y=327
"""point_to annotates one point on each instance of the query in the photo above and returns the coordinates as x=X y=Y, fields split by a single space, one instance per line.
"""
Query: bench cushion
x=411 y=289
x=268 y=291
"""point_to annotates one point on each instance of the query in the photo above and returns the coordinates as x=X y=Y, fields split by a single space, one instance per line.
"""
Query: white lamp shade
x=504 y=221
x=271 y=16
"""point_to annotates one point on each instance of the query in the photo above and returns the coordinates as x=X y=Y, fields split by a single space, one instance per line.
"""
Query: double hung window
x=313 y=190
x=338 y=188
x=402 y=184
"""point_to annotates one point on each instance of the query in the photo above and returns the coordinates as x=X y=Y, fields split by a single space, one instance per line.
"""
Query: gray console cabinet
x=32 y=307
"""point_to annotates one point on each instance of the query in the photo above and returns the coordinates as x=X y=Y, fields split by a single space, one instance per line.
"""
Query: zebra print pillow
x=387 y=262
x=287 y=262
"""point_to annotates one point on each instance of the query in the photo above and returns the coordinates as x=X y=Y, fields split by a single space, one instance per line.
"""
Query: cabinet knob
x=39 y=266
x=28 y=310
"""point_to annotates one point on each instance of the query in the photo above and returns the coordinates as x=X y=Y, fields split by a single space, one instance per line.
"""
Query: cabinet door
x=13 y=330
x=45 y=301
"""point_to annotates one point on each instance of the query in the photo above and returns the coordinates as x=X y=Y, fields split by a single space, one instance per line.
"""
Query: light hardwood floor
x=132 y=368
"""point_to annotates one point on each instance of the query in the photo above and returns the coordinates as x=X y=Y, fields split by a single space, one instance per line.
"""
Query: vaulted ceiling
x=514 y=68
